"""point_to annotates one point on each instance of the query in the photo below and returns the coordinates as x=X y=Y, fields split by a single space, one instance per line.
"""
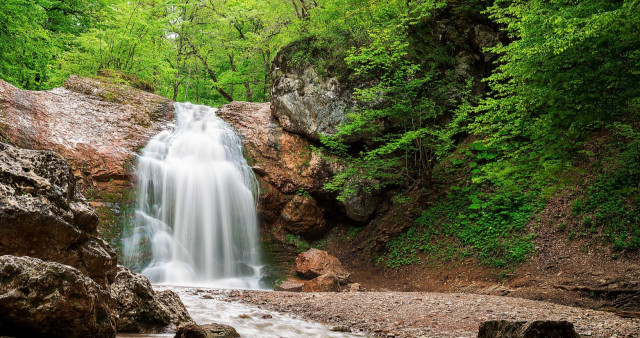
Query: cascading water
x=196 y=216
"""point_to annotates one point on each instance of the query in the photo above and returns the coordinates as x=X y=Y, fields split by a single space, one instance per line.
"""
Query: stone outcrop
x=306 y=103
x=95 y=124
x=206 y=331
x=290 y=174
x=143 y=310
x=66 y=282
x=532 y=329
x=47 y=299
x=315 y=263
x=43 y=215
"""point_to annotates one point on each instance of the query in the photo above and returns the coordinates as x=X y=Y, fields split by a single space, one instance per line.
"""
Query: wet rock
x=314 y=263
x=532 y=329
x=291 y=285
x=43 y=215
x=48 y=299
x=95 y=124
x=340 y=329
x=206 y=331
x=143 y=310
x=325 y=283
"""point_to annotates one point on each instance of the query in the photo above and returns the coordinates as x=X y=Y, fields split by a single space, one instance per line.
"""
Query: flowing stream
x=196 y=225
x=195 y=222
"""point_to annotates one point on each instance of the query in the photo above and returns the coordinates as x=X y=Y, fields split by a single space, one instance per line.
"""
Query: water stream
x=248 y=320
x=195 y=222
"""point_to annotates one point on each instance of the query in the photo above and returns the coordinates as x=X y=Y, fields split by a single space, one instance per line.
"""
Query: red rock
x=96 y=125
x=325 y=283
x=314 y=263
x=285 y=167
x=291 y=285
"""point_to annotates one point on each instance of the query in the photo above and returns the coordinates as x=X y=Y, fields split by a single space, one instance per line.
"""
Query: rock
x=143 y=310
x=302 y=216
x=95 y=124
x=285 y=167
x=532 y=329
x=314 y=263
x=362 y=203
x=206 y=331
x=341 y=329
x=39 y=298
x=291 y=285
x=43 y=215
x=305 y=103
x=355 y=287
x=325 y=283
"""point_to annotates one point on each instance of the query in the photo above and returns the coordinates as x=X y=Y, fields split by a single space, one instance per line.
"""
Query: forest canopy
x=496 y=143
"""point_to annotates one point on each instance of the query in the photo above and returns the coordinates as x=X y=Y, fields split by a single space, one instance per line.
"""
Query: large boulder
x=532 y=329
x=47 y=299
x=43 y=215
x=143 y=310
x=362 y=203
x=314 y=263
x=306 y=103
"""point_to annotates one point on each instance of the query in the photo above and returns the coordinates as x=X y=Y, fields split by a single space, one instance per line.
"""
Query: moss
x=132 y=80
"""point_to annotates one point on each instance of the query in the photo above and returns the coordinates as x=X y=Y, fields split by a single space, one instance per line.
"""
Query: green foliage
x=400 y=114
x=300 y=244
x=611 y=205
x=572 y=67
x=34 y=33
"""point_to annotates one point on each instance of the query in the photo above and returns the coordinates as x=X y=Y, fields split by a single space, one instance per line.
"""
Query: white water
x=248 y=320
x=196 y=216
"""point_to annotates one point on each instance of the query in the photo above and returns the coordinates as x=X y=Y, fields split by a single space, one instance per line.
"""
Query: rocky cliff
x=96 y=124
x=57 y=277
x=43 y=215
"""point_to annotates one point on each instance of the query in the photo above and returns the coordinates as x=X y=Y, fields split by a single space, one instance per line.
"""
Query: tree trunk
x=213 y=76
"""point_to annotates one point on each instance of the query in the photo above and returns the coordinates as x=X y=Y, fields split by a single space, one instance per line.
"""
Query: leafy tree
x=573 y=66
x=33 y=33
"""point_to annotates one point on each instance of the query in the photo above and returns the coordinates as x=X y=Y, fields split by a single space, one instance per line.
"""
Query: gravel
x=420 y=314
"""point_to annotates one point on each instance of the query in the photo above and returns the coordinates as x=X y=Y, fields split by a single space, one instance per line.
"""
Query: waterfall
x=196 y=220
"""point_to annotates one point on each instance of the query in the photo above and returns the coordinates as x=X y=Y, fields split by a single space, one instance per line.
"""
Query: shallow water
x=248 y=320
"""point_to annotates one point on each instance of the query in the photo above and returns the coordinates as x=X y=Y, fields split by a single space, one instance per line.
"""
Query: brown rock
x=314 y=263
x=47 y=299
x=95 y=124
x=143 y=310
x=291 y=285
x=532 y=329
x=206 y=331
x=302 y=216
x=42 y=214
x=325 y=283
x=284 y=165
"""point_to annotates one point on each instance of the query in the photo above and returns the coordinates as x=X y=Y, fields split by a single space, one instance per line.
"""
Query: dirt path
x=420 y=314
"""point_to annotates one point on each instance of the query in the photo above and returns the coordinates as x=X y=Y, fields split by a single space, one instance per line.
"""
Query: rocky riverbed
x=418 y=314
